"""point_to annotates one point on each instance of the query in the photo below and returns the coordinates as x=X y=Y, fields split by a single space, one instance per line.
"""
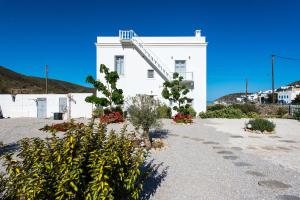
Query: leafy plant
x=112 y=96
x=261 y=125
x=228 y=112
x=143 y=113
x=113 y=117
x=164 y=111
x=182 y=118
x=98 y=112
x=296 y=115
x=63 y=127
x=246 y=108
x=87 y=163
x=215 y=107
x=191 y=111
x=176 y=91
x=282 y=111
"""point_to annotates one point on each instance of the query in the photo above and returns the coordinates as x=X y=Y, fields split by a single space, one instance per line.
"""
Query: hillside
x=229 y=97
x=12 y=80
x=294 y=83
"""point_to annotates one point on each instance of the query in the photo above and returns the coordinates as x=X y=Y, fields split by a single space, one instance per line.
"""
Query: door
x=63 y=104
x=180 y=68
x=41 y=108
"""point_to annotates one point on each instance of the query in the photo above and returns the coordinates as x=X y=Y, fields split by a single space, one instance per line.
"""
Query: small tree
x=176 y=92
x=112 y=96
x=296 y=100
x=143 y=113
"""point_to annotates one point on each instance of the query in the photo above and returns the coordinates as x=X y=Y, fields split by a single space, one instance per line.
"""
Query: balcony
x=188 y=79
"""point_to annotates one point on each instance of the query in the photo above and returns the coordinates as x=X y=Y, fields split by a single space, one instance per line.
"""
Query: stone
x=230 y=157
x=236 y=136
x=273 y=184
x=210 y=142
x=224 y=152
x=288 y=197
x=237 y=148
x=255 y=173
x=241 y=164
x=288 y=141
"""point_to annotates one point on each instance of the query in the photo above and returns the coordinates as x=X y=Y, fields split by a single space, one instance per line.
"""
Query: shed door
x=63 y=104
x=41 y=108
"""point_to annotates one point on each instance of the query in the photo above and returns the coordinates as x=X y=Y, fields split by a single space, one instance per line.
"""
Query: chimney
x=197 y=33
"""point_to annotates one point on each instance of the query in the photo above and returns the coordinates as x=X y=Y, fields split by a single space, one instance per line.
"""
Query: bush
x=261 y=125
x=282 y=111
x=142 y=110
x=227 y=112
x=215 y=107
x=191 y=111
x=164 y=111
x=112 y=117
x=98 y=112
x=246 y=107
x=252 y=115
x=296 y=115
x=87 y=163
x=182 y=118
x=62 y=127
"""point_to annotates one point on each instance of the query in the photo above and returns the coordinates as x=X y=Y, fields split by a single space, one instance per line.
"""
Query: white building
x=73 y=105
x=144 y=63
x=287 y=96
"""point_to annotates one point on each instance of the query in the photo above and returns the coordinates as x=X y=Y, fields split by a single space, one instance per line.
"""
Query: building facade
x=288 y=95
x=73 y=105
x=144 y=63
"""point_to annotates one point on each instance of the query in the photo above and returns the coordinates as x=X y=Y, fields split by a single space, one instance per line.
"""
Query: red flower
x=113 y=117
x=182 y=118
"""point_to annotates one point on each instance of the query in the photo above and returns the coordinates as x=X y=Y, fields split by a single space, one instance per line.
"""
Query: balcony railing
x=126 y=35
x=187 y=76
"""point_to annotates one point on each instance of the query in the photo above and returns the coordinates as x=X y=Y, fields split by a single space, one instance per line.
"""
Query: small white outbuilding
x=72 y=105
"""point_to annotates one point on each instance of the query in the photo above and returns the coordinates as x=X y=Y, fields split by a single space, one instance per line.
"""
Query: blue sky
x=241 y=35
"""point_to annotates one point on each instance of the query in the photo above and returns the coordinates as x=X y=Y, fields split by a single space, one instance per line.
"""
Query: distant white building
x=288 y=95
x=73 y=105
x=144 y=63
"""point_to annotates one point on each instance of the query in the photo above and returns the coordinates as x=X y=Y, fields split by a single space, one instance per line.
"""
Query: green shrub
x=296 y=115
x=252 y=115
x=164 y=111
x=98 y=112
x=87 y=163
x=191 y=111
x=261 y=125
x=246 y=107
x=215 y=107
x=143 y=114
x=227 y=112
x=282 y=111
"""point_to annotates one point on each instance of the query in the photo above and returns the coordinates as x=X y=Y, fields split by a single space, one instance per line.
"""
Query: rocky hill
x=11 y=80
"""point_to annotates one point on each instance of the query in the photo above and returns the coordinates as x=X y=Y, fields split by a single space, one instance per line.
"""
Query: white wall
x=168 y=49
x=25 y=105
x=287 y=96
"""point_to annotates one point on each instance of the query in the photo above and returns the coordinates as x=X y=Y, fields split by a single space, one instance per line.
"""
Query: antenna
x=46 y=73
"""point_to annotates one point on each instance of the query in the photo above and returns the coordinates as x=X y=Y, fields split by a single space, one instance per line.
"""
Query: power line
x=287 y=58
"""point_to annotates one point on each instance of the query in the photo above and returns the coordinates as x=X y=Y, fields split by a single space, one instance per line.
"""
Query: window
x=150 y=73
x=180 y=68
x=119 y=65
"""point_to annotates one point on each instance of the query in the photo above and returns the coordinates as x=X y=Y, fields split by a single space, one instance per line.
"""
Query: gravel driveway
x=201 y=162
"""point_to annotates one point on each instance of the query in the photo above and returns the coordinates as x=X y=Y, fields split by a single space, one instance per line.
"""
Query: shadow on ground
x=158 y=134
x=8 y=148
x=154 y=181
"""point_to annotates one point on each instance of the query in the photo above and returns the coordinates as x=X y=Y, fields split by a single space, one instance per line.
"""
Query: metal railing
x=130 y=35
x=187 y=76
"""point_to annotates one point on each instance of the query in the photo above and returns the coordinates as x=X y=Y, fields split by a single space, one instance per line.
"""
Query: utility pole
x=46 y=72
x=246 y=88
x=273 y=85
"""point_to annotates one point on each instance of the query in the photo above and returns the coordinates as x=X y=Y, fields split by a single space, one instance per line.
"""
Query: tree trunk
x=147 y=138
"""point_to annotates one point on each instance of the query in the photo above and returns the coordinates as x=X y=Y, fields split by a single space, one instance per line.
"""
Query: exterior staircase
x=129 y=36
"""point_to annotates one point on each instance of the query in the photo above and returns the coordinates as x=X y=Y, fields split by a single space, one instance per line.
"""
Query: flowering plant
x=183 y=118
x=113 y=117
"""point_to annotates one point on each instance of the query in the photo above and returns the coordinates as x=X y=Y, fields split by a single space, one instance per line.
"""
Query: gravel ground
x=201 y=162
